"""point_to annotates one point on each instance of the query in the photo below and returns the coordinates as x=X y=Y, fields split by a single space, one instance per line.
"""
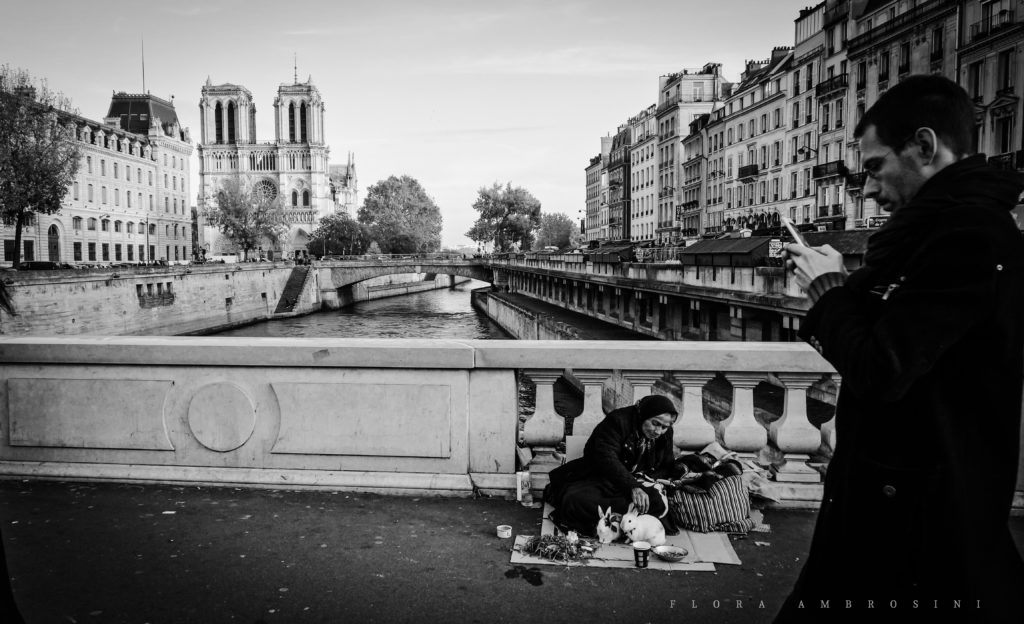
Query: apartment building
x=643 y=174
x=754 y=137
x=890 y=40
x=990 y=66
x=682 y=97
x=128 y=202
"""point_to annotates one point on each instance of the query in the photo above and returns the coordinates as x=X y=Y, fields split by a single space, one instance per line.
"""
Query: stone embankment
x=177 y=300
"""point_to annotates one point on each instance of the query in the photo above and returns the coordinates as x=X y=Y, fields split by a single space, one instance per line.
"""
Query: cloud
x=197 y=10
x=312 y=32
x=571 y=61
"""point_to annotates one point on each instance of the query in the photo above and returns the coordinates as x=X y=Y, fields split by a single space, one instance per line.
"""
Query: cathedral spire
x=296 y=68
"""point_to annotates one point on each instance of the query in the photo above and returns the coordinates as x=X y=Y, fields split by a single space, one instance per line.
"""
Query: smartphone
x=797 y=236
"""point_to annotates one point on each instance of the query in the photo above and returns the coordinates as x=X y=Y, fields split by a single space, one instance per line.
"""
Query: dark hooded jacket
x=614 y=452
x=928 y=338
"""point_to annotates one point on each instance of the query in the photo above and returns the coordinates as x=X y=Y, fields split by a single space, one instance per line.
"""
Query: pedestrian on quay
x=928 y=338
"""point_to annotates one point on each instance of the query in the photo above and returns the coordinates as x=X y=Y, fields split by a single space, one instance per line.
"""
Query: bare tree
x=39 y=157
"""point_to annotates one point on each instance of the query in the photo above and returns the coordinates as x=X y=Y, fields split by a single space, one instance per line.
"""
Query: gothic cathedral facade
x=293 y=167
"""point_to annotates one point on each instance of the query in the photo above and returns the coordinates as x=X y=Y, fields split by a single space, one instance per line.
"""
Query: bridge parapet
x=403 y=416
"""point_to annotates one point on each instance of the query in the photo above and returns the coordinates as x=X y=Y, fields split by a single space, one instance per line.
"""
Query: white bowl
x=670 y=553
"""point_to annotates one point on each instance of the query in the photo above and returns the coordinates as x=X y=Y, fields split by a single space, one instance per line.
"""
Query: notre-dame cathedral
x=293 y=167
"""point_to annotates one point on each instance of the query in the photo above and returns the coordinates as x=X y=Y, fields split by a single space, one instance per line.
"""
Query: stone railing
x=399 y=416
x=710 y=281
x=387 y=415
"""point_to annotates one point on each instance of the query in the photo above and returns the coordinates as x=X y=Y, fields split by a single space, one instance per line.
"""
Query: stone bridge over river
x=348 y=270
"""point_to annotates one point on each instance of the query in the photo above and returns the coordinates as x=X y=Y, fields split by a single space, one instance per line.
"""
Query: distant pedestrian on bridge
x=928 y=337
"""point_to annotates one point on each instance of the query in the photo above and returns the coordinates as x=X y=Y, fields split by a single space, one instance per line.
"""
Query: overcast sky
x=455 y=93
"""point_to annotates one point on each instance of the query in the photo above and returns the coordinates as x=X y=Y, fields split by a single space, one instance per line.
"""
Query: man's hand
x=808 y=263
x=640 y=500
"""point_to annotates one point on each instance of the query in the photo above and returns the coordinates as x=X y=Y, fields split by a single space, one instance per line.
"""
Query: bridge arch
x=342 y=274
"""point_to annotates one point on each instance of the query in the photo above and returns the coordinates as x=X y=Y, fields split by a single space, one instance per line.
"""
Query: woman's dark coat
x=928 y=338
x=611 y=452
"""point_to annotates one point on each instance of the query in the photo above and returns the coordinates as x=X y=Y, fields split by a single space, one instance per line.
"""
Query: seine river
x=445 y=313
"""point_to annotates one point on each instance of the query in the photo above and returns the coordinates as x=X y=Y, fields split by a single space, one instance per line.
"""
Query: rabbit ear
x=600 y=512
x=631 y=509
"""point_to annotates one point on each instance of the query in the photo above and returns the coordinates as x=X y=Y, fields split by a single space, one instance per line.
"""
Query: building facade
x=754 y=138
x=780 y=141
x=618 y=184
x=593 y=228
x=890 y=40
x=643 y=172
x=293 y=168
x=129 y=202
x=991 y=68
x=682 y=97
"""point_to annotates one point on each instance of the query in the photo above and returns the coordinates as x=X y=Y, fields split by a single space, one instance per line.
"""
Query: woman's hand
x=640 y=500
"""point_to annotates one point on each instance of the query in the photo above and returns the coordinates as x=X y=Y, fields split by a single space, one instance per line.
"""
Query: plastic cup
x=641 y=553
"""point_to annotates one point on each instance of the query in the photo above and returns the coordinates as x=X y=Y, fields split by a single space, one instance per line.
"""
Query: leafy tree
x=401 y=216
x=39 y=157
x=374 y=248
x=508 y=217
x=247 y=218
x=555 y=230
x=340 y=234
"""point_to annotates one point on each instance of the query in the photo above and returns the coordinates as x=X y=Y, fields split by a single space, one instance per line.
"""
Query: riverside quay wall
x=179 y=299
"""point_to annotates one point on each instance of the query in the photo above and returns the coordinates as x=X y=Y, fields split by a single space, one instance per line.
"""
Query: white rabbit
x=608 y=525
x=642 y=527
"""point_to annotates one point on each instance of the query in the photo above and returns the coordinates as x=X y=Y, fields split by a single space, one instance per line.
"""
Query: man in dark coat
x=928 y=338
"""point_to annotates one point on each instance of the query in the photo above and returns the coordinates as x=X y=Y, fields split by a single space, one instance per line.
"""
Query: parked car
x=39 y=265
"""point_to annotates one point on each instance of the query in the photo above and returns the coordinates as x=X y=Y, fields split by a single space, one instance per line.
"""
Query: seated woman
x=630 y=448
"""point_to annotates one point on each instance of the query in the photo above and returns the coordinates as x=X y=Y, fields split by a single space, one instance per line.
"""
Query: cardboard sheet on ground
x=705 y=550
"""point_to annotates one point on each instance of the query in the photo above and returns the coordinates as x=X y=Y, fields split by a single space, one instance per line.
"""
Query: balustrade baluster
x=641 y=382
x=692 y=430
x=741 y=431
x=793 y=433
x=828 y=428
x=545 y=429
x=592 y=414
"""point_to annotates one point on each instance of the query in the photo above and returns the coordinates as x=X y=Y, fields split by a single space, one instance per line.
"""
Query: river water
x=444 y=313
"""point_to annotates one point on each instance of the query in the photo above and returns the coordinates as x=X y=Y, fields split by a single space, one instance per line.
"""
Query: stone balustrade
x=403 y=416
x=397 y=416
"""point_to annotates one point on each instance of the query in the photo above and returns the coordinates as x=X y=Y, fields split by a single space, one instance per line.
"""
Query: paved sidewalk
x=96 y=552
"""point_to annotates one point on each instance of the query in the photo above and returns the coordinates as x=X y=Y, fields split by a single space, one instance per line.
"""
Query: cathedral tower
x=293 y=168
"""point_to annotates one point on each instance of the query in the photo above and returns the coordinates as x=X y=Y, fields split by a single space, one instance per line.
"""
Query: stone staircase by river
x=292 y=290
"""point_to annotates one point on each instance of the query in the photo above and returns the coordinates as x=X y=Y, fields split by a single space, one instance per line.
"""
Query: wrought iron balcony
x=748 y=172
x=990 y=26
x=856 y=180
x=833 y=84
x=908 y=19
x=1009 y=161
x=829 y=169
x=667 y=104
